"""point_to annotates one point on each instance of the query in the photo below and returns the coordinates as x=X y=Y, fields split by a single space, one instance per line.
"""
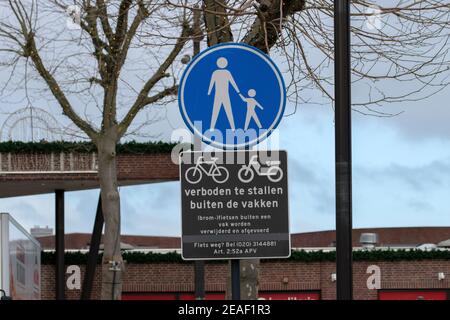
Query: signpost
x=232 y=96
x=234 y=211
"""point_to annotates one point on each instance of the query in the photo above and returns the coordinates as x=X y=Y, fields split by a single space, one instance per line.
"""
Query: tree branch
x=99 y=45
x=218 y=27
x=51 y=82
x=103 y=15
x=142 y=100
x=141 y=15
x=122 y=26
x=266 y=29
x=171 y=91
x=89 y=25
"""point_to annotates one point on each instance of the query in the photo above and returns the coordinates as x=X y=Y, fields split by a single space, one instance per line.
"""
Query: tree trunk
x=112 y=264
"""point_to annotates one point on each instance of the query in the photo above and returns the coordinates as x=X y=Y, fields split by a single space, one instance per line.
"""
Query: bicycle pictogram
x=218 y=173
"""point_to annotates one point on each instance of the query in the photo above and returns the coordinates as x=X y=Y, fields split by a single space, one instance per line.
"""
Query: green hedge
x=296 y=256
x=130 y=257
x=372 y=255
x=131 y=147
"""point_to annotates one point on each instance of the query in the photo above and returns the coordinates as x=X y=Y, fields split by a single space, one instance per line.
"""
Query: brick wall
x=143 y=167
x=48 y=284
x=146 y=167
x=274 y=276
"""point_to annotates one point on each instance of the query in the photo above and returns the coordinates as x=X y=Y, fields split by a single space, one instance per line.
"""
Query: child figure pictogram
x=251 y=105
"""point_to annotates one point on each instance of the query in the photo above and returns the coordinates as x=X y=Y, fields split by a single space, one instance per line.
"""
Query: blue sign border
x=248 y=144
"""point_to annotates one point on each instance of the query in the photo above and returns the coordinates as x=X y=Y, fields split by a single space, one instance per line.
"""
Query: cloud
x=402 y=195
x=153 y=209
x=81 y=207
x=425 y=178
x=421 y=120
x=317 y=188
x=30 y=210
x=421 y=206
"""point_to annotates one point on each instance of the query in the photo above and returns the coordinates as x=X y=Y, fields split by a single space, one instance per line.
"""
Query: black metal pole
x=235 y=280
x=93 y=252
x=199 y=274
x=59 y=245
x=343 y=150
x=199 y=266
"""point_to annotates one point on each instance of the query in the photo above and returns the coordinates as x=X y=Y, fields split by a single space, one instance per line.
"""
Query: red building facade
x=288 y=280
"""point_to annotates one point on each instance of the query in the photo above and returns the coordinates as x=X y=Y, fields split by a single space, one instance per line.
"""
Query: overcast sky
x=401 y=174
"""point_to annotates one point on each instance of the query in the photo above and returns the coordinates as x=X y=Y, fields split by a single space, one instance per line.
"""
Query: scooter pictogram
x=271 y=170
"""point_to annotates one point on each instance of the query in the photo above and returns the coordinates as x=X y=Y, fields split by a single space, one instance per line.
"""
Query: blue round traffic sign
x=232 y=96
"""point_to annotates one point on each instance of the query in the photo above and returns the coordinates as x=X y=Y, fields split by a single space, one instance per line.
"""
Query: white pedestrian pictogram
x=221 y=80
x=218 y=173
x=271 y=170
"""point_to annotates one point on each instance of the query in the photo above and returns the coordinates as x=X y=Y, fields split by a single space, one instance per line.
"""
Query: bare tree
x=105 y=62
x=85 y=68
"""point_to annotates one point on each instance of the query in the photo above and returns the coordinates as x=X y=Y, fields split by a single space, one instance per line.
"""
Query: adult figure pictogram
x=220 y=81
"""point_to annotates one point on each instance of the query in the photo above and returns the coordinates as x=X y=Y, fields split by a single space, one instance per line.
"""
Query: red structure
x=282 y=279
x=29 y=174
x=278 y=280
